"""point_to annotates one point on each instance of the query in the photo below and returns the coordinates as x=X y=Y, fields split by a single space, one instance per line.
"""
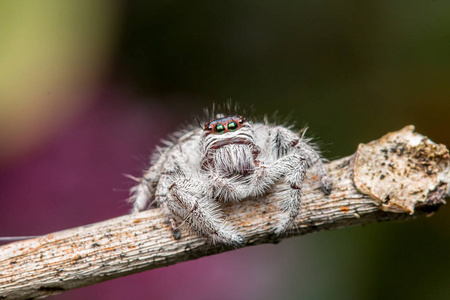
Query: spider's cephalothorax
x=228 y=160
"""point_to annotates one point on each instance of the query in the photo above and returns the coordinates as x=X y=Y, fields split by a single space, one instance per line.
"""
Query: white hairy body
x=226 y=162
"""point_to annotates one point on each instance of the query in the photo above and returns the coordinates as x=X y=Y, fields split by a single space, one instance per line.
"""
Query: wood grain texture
x=134 y=243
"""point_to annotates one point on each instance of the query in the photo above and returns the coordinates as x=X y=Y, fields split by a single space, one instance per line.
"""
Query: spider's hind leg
x=143 y=194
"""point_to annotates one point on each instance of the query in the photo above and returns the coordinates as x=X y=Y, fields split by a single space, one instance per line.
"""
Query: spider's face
x=225 y=131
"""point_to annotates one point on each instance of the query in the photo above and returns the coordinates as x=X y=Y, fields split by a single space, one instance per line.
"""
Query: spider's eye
x=220 y=128
x=232 y=126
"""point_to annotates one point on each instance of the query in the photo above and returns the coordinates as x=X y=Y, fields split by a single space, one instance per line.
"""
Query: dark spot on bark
x=95 y=245
x=176 y=234
x=382 y=177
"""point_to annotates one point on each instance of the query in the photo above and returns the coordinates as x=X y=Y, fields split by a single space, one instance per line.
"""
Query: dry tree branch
x=397 y=177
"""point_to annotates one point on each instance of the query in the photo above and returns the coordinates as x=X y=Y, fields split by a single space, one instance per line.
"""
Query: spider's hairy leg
x=228 y=188
x=284 y=142
x=257 y=183
x=140 y=197
x=191 y=201
x=314 y=159
x=291 y=206
x=143 y=194
x=292 y=167
x=294 y=176
x=293 y=158
x=162 y=197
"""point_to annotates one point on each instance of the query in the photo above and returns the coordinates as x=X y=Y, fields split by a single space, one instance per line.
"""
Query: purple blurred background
x=88 y=89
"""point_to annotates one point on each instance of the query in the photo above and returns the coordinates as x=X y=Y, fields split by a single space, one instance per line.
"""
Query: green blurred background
x=351 y=70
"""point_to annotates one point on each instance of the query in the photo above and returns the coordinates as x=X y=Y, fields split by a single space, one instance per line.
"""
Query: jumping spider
x=228 y=160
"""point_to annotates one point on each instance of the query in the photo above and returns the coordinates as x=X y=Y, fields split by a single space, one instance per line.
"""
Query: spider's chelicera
x=228 y=160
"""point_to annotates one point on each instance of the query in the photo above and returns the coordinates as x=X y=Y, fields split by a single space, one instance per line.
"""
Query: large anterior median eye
x=220 y=128
x=232 y=126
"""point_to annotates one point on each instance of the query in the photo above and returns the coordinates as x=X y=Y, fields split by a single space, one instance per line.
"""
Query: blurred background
x=88 y=89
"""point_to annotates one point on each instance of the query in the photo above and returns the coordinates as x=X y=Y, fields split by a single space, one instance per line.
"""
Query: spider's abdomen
x=233 y=159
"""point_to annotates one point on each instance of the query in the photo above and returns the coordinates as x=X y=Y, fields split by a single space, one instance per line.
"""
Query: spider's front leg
x=294 y=158
x=189 y=200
